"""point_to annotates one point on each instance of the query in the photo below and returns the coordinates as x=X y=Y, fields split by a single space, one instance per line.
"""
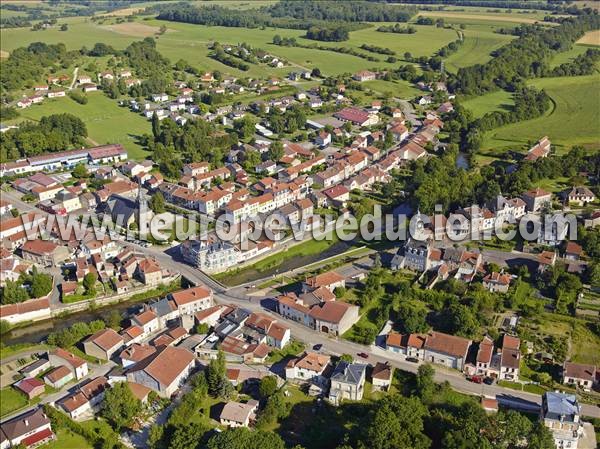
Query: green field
x=66 y=439
x=569 y=55
x=399 y=88
x=573 y=119
x=499 y=100
x=12 y=400
x=106 y=121
x=480 y=41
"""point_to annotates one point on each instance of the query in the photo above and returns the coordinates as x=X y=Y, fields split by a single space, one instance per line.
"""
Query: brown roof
x=24 y=307
x=486 y=349
x=203 y=314
x=137 y=352
x=331 y=311
x=106 y=339
x=260 y=321
x=579 y=371
x=39 y=247
x=237 y=412
x=139 y=391
x=70 y=358
x=24 y=424
x=277 y=331
x=189 y=295
x=133 y=331
x=58 y=373
x=94 y=387
x=145 y=317
x=382 y=371
x=166 y=364
x=510 y=342
x=447 y=344
x=313 y=361
x=74 y=401
x=324 y=279
x=573 y=248
x=489 y=403
x=536 y=193
x=510 y=358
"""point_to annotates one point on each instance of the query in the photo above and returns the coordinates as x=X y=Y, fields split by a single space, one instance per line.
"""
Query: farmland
x=106 y=122
x=574 y=118
x=495 y=101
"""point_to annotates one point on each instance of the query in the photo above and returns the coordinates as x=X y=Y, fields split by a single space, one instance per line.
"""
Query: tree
x=244 y=438
x=202 y=328
x=397 y=423
x=540 y=437
x=120 y=406
x=245 y=127
x=13 y=292
x=425 y=382
x=155 y=126
x=187 y=436
x=267 y=386
x=218 y=384
x=89 y=283
x=413 y=317
x=41 y=284
x=346 y=358
x=276 y=151
x=114 y=320
x=157 y=203
x=80 y=171
x=155 y=436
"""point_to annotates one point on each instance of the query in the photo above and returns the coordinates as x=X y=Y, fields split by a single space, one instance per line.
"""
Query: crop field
x=500 y=100
x=590 y=38
x=106 y=121
x=569 y=55
x=574 y=118
x=399 y=88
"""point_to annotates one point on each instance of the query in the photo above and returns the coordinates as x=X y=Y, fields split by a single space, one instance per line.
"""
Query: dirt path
x=75 y=72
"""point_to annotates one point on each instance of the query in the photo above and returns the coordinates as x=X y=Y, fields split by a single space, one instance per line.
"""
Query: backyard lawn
x=11 y=400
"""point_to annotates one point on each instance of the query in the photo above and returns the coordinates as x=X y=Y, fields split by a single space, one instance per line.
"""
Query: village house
x=237 y=414
x=580 y=196
x=163 y=371
x=31 y=429
x=357 y=116
x=347 y=382
x=579 y=375
x=381 y=376
x=44 y=252
x=147 y=320
x=540 y=150
x=309 y=368
x=497 y=282
x=103 y=344
x=61 y=357
x=561 y=414
x=364 y=75
x=192 y=300
x=444 y=349
x=86 y=400
x=30 y=387
x=536 y=199
x=58 y=377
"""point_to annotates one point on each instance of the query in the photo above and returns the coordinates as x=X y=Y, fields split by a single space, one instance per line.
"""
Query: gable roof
x=190 y=295
x=105 y=339
x=166 y=364
x=71 y=359
x=447 y=344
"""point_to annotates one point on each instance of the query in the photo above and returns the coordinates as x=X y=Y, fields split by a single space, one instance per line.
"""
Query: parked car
x=317 y=347
x=488 y=380
x=364 y=355
x=412 y=359
x=475 y=379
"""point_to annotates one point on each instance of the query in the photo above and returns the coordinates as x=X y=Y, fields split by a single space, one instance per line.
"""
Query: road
x=75 y=72
x=340 y=346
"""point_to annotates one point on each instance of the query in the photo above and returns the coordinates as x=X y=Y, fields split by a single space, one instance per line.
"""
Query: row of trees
x=397 y=28
x=291 y=42
x=525 y=57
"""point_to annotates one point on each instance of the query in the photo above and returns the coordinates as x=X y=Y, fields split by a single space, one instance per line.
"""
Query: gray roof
x=122 y=207
x=161 y=307
x=25 y=423
x=560 y=404
x=40 y=363
x=350 y=373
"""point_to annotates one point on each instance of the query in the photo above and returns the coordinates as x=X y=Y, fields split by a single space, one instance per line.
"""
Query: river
x=38 y=331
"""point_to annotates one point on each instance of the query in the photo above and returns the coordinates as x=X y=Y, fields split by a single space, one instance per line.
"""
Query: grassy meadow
x=106 y=121
x=573 y=119
x=499 y=100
